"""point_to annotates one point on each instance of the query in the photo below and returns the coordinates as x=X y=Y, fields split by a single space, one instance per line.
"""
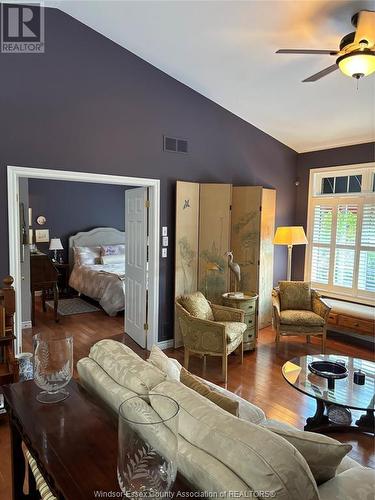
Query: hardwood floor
x=258 y=380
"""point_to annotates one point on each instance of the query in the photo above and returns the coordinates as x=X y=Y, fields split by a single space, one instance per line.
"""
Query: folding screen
x=212 y=219
x=253 y=226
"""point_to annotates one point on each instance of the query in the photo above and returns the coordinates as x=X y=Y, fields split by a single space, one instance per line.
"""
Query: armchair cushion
x=233 y=329
x=295 y=295
x=197 y=305
x=301 y=318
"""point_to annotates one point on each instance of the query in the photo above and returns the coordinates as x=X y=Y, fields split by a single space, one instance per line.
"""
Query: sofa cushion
x=357 y=483
x=171 y=367
x=197 y=305
x=225 y=402
x=247 y=411
x=260 y=458
x=125 y=367
x=300 y=318
x=322 y=453
x=233 y=329
x=207 y=473
x=96 y=380
x=295 y=295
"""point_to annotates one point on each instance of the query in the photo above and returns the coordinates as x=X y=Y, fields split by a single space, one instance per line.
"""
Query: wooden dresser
x=248 y=304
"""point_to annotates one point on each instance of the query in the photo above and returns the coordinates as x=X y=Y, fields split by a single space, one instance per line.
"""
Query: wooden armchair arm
x=276 y=304
x=224 y=313
x=201 y=335
x=319 y=306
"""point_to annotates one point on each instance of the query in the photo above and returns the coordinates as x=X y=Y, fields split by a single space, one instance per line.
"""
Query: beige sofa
x=222 y=453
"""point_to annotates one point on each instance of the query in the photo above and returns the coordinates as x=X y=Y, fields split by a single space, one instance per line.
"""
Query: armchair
x=299 y=310
x=209 y=329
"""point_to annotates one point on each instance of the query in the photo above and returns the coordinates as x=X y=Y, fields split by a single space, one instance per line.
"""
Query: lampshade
x=290 y=235
x=357 y=64
x=55 y=244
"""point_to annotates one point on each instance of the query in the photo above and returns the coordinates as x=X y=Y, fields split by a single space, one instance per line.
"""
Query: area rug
x=67 y=307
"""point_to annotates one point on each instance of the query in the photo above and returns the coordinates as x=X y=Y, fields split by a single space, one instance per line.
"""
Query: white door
x=136 y=264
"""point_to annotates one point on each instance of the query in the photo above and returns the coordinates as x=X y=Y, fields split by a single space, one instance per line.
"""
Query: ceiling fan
x=356 y=56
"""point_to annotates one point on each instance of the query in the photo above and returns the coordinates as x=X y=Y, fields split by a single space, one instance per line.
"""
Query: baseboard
x=166 y=344
x=26 y=324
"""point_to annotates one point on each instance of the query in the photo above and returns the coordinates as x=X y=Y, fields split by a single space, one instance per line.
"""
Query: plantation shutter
x=366 y=268
x=346 y=234
x=322 y=230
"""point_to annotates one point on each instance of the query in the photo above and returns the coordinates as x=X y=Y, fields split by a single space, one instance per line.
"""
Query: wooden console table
x=74 y=443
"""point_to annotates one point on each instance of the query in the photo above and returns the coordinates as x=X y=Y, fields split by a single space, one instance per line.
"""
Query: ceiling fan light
x=357 y=64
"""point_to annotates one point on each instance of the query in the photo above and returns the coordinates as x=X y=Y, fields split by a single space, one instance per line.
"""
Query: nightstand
x=249 y=304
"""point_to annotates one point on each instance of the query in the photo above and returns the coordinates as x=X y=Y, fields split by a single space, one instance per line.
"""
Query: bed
x=103 y=282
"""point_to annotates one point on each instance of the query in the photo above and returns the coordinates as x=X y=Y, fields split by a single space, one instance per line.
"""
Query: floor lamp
x=290 y=235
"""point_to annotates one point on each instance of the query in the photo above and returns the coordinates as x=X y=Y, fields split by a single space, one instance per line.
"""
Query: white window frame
x=367 y=170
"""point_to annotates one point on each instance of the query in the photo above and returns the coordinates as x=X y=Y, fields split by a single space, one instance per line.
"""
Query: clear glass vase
x=53 y=367
x=147 y=445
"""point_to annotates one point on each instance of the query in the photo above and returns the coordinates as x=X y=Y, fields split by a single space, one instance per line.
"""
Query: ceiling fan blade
x=324 y=72
x=306 y=51
x=365 y=28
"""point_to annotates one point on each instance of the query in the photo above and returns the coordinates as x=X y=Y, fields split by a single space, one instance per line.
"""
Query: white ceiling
x=226 y=51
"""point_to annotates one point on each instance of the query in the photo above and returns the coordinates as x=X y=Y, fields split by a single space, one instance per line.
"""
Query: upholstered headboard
x=95 y=237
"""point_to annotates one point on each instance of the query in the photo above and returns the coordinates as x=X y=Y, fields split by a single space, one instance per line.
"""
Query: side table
x=249 y=304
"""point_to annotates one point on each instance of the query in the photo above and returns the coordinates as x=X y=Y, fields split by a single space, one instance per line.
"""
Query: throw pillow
x=197 y=305
x=171 y=367
x=295 y=295
x=322 y=453
x=227 y=404
x=112 y=250
x=113 y=259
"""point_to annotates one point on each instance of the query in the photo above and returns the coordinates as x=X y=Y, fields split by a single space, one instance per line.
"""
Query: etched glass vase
x=147 y=445
x=53 y=367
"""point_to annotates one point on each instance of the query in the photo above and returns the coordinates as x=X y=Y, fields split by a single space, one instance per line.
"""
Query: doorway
x=15 y=173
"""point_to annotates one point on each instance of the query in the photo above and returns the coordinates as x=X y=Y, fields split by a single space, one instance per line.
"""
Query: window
x=341 y=232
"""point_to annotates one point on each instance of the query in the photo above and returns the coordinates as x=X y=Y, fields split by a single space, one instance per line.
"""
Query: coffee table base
x=321 y=423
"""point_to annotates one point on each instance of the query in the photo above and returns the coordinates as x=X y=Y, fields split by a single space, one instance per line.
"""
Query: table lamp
x=55 y=245
x=290 y=235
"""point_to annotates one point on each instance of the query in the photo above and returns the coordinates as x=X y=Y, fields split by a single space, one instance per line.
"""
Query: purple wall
x=88 y=206
x=89 y=105
x=360 y=153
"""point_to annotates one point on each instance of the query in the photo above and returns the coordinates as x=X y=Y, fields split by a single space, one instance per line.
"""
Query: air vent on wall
x=175 y=145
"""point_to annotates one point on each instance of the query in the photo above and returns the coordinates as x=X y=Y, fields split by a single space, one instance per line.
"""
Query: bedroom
x=78 y=250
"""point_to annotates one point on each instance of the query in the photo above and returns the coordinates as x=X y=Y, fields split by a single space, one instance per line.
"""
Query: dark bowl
x=328 y=369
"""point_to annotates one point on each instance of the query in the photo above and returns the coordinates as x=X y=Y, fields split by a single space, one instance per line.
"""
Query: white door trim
x=17 y=172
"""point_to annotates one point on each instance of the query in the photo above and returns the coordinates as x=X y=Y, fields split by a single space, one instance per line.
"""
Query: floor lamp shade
x=290 y=235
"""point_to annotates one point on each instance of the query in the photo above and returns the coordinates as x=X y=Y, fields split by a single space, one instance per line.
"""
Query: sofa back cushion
x=295 y=295
x=197 y=305
x=322 y=453
x=170 y=366
x=125 y=367
x=260 y=458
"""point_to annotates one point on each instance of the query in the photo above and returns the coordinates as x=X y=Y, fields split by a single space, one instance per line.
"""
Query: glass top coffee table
x=338 y=401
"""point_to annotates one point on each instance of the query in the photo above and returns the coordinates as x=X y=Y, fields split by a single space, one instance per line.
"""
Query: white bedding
x=104 y=283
